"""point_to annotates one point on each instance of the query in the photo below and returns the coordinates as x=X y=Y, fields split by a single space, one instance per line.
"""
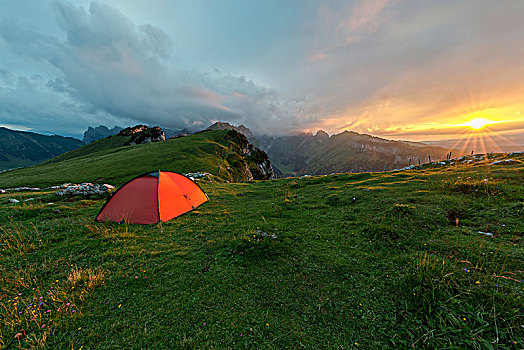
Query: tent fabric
x=152 y=197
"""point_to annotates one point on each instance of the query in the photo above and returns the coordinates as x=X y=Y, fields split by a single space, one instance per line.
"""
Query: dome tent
x=152 y=197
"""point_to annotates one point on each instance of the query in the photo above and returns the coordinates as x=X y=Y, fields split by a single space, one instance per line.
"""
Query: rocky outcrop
x=132 y=130
x=253 y=160
x=143 y=134
x=99 y=132
x=85 y=189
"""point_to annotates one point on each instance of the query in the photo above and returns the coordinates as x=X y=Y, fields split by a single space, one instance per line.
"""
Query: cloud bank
x=111 y=69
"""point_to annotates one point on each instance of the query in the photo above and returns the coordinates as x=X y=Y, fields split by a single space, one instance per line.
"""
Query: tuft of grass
x=461 y=304
x=31 y=313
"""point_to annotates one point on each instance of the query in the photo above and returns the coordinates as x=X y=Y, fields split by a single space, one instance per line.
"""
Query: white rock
x=503 y=161
x=85 y=188
x=12 y=200
x=489 y=234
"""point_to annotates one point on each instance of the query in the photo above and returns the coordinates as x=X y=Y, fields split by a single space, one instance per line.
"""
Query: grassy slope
x=107 y=161
x=365 y=260
x=105 y=144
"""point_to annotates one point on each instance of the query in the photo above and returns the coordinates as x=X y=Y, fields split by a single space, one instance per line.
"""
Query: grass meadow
x=424 y=258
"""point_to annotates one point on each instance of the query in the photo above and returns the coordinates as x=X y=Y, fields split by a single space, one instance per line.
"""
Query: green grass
x=107 y=161
x=384 y=260
x=105 y=144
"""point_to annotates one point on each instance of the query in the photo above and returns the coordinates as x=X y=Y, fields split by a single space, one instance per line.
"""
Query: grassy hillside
x=383 y=260
x=108 y=160
x=20 y=148
x=105 y=144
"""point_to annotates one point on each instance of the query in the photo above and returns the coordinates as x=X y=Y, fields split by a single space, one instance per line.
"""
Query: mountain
x=345 y=152
x=172 y=133
x=241 y=129
x=99 y=132
x=225 y=154
x=21 y=148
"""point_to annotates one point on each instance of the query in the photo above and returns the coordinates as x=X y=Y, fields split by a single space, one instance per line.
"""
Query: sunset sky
x=411 y=70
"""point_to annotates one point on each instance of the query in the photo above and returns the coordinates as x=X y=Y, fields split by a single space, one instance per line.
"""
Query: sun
x=477 y=123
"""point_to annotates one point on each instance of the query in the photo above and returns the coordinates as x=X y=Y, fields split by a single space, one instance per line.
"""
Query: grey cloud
x=34 y=102
x=126 y=71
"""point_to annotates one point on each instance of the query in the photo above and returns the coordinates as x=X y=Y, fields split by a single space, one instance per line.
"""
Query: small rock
x=508 y=161
x=489 y=234
x=265 y=234
x=12 y=200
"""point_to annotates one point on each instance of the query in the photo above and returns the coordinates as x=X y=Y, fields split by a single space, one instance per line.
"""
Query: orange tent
x=152 y=197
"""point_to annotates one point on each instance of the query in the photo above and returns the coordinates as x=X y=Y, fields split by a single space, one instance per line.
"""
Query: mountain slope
x=126 y=137
x=225 y=154
x=20 y=148
x=344 y=152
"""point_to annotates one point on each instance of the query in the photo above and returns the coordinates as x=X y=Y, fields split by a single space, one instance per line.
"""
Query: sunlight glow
x=477 y=123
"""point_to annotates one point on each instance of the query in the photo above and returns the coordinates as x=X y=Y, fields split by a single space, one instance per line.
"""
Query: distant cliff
x=345 y=152
x=99 y=132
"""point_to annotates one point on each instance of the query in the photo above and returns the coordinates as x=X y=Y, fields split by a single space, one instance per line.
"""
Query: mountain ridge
x=23 y=148
x=348 y=151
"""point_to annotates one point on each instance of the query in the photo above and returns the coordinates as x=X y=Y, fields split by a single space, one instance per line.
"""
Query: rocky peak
x=143 y=134
x=221 y=126
x=133 y=130
x=226 y=126
x=322 y=135
x=99 y=132
x=245 y=131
